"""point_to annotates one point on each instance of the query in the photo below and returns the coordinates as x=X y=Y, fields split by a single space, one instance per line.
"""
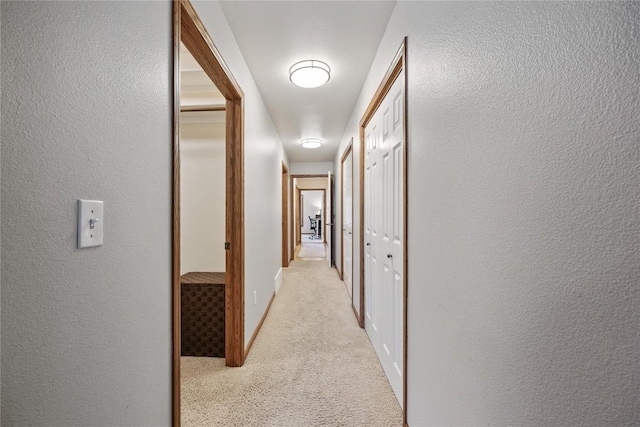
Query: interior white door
x=347 y=222
x=384 y=242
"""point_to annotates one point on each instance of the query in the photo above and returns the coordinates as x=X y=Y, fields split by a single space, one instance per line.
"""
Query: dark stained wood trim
x=285 y=216
x=234 y=295
x=175 y=226
x=329 y=248
x=405 y=256
x=202 y=108
x=196 y=38
x=188 y=28
x=346 y=153
x=299 y=198
x=361 y=204
x=255 y=333
x=398 y=65
x=297 y=219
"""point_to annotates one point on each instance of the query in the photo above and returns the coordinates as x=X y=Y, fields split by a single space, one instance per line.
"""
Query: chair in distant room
x=314 y=227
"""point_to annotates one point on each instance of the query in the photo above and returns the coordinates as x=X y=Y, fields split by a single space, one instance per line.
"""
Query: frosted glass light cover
x=309 y=73
x=311 y=142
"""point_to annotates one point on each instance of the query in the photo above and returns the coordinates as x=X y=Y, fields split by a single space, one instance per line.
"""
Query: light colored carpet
x=312 y=250
x=311 y=365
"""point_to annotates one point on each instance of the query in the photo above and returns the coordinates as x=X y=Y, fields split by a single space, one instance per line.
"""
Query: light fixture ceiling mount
x=309 y=73
x=311 y=142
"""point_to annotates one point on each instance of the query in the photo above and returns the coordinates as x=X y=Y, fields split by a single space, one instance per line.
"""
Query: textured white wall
x=86 y=113
x=263 y=173
x=202 y=197
x=524 y=190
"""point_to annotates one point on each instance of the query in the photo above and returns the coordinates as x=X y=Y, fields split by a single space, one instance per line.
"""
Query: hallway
x=310 y=365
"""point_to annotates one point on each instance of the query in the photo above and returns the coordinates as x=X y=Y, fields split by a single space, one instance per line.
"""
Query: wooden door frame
x=398 y=65
x=345 y=154
x=189 y=29
x=291 y=178
x=330 y=252
x=324 y=201
x=298 y=236
x=286 y=256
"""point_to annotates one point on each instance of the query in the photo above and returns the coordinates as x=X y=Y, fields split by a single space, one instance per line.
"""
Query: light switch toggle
x=90 y=223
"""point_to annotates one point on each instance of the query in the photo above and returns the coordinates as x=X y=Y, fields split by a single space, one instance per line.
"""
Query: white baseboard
x=278 y=280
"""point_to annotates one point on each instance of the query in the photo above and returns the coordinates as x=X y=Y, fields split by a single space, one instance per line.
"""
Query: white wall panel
x=202 y=197
x=302 y=168
x=86 y=113
x=523 y=210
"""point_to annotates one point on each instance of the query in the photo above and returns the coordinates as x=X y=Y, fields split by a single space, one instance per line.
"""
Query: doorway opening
x=285 y=216
x=313 y=182
x=346 y=216
x=189 y=32
x=312 y=218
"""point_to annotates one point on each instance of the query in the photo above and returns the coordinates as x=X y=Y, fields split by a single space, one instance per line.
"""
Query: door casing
x=286 y=257
x=189 y=29
x=324 y=201
x=398 y=65
x=296 y=236
x=345 y=155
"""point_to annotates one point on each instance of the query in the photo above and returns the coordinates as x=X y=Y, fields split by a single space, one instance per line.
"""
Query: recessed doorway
x=189 y=33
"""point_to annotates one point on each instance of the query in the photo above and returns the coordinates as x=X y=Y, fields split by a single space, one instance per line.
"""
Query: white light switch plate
x=90 y=223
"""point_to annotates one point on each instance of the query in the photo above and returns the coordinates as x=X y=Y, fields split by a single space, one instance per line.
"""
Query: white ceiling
x=273 y=35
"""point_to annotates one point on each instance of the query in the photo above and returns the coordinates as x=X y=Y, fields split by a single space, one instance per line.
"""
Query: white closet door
x=384 y=245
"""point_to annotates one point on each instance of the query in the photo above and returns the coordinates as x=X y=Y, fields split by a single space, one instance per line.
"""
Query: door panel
x=375 y=299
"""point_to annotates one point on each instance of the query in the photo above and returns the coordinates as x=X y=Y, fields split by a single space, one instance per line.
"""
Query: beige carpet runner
x=312 y=250
x=311 y=365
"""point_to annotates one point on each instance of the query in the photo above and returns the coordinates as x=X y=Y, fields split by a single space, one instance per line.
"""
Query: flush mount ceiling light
x=311 y=142
x=309 y=73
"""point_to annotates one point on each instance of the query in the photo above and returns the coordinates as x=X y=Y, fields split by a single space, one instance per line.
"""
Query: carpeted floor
x=312 y=250
x=311 y=365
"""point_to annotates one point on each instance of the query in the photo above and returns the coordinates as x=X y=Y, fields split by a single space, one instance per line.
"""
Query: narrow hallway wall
x=264 y=155
x=86 y=113
x=202 y=197
x=523 y=203
x=311 y=168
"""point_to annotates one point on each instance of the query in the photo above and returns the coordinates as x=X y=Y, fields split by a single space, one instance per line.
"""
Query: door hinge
x=227 y=246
